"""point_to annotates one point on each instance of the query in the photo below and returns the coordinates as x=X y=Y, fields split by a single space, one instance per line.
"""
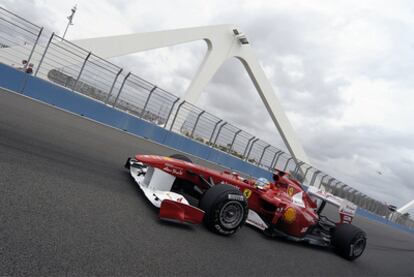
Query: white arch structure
x=406 y=207
x=223 y=42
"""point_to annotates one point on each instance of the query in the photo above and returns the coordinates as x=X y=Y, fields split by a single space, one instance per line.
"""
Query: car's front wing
x=156 y=186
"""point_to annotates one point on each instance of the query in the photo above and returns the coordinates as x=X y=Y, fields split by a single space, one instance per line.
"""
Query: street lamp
x=70 y=19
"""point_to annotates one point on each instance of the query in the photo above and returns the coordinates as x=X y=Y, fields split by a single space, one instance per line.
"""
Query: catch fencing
x=59 y=61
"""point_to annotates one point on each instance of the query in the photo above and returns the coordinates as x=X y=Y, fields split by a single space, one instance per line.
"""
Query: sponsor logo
x=297 y=200
x=290 y=191
x=173 y=170
x=236 y=197
x=222 y=231
x=348 y=209
x=346 y=219
x=290 y=215
x=247 y=193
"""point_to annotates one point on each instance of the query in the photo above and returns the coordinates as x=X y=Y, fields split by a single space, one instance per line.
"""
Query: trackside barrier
x=74 y=69
x=63 y=63
x=44 y=91
x=374 y=217
x=63 y=98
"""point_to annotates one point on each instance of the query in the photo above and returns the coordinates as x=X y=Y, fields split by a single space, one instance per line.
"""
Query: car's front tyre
x=225 y=209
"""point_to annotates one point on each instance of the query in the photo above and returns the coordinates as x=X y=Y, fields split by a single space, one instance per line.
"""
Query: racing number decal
x=290 y=191
x=247 y=193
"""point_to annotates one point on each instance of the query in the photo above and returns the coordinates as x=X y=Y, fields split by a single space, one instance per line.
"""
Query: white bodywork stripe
x=156 y=185
x=345 y=206
x=254 y=219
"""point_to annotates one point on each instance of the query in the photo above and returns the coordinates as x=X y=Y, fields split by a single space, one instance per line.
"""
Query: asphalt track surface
x=67 y=207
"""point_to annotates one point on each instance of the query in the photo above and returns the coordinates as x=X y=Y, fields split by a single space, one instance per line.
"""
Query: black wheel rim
x=231 y=214
x=358 y=246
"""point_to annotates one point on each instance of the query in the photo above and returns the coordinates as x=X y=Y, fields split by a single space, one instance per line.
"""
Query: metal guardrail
x=20 y=34
x=68 y=65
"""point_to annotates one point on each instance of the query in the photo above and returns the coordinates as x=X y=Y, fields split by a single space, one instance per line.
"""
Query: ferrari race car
x=224 y=201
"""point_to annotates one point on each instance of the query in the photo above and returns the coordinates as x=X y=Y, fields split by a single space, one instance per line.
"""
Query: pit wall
x=18 y=81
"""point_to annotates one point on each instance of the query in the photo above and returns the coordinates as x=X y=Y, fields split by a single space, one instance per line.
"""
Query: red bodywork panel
x=282 y=203
x=180 y=212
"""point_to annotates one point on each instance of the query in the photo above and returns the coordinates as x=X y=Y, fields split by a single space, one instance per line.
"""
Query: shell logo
x=290 y=215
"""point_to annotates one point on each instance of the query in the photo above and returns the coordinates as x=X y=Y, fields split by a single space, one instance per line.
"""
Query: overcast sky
x=341 y=69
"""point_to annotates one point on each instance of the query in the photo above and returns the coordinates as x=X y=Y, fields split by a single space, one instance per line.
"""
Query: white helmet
x=262 y=183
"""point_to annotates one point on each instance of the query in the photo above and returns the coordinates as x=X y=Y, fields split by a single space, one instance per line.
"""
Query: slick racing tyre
x=181 y=157
x=128 y=163
x=349 y=241
x=225 y=209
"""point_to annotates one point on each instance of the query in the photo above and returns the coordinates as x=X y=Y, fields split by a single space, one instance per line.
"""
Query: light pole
x=70 y=19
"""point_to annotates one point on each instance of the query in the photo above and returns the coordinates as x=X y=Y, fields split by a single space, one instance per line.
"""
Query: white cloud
x=342 y=70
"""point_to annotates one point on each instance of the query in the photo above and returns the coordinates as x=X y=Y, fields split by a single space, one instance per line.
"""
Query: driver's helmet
x=262 y=183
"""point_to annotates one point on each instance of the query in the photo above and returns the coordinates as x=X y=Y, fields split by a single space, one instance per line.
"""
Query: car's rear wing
x=346 y=208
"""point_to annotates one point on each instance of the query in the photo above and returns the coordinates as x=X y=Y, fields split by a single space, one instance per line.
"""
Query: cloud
x=368 y=158
x=342 y=71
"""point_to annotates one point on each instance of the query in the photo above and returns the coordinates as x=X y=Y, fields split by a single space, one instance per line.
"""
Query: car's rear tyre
x=349 y=241
x=225 y=209
x=181 y=157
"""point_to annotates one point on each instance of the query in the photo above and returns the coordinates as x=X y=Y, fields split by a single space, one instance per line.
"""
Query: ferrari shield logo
x=290 y=191
x=247 y=193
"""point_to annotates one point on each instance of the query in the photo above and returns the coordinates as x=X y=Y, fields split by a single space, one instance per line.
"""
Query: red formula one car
x=189 y=193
